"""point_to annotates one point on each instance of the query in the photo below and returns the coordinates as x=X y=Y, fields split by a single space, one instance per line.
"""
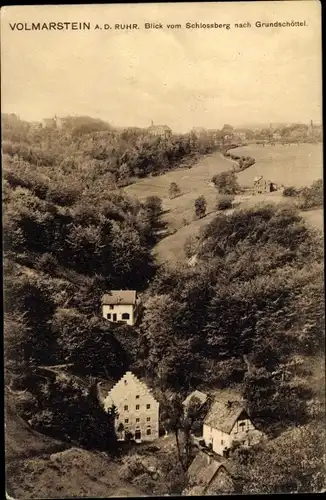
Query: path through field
x=288 y=165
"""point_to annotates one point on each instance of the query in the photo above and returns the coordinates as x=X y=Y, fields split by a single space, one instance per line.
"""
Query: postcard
x=163 y=249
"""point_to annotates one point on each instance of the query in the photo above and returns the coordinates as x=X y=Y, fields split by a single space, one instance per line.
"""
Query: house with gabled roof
x=228 y=422
x=208 y=475
x=121 y=306
x=137 y=408
x=160 y=131
x=197 y=396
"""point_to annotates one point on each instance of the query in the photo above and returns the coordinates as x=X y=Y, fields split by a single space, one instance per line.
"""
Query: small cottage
x=263 y=186
x=138 y=410
x=208 y=476
x=197 y=397
x=121 y=306
x=227 y=422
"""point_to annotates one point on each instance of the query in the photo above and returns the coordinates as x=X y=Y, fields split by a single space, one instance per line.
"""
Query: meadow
x=193 y=182
x=290 y=165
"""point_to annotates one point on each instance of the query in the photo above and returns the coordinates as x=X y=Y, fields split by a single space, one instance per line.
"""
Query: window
x=222 y=442
x=125 y=316
x=148 y=419
x=148 y=432
x=108 y=316
x=137 y=397
x=111 y=306
x=125 y=408
x=137 y=407
x=148 y=407
x=137 y=419
x=126 y=420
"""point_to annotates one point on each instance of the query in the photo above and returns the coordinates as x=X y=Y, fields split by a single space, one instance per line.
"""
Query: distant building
x=228 y=422
x=121 y=306
x=198 y=131
x=160 y=131
x=54 y=122
x=276 y=136
x=200 y=397
x=35 y=125
x=208 y=475
x=138 y=410
x=240 y=135
x=49 y=123
x=263 y=186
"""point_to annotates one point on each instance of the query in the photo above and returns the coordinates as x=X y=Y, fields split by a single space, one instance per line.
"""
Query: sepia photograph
x=163 y=249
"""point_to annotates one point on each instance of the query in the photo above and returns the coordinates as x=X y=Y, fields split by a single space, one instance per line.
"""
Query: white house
x=227 y=422
x=160 y=131
x=120 y=306
x=138 y=410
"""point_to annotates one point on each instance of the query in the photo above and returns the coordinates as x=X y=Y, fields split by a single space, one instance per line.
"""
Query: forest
x=229 y=321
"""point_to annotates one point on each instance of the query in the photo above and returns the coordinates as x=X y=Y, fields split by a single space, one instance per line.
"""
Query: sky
x=181 y=77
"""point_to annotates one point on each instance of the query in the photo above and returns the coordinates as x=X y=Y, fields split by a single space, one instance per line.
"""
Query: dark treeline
x=87 y=154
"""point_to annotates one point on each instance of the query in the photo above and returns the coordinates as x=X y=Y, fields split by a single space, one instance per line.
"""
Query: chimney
x=152 y=123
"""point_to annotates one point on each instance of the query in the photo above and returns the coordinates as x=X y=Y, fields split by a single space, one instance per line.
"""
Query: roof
x=225 y=410
x=126 y=297
x=157 y=127
x=107 y=391
x=195 y=394
x=203 y=469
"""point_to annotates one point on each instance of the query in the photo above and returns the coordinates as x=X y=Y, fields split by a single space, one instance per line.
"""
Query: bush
x=224 y=203
x=290 y=191
x=174 y=190
x=313 y=196
x=226 y=183
x=200 y=207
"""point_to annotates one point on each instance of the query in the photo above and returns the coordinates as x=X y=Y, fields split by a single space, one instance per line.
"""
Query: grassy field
x=288 y=165
x=193 y=182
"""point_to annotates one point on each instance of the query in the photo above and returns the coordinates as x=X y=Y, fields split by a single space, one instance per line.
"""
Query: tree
x=175 y=420
x=226 y=183
x=312 y=196
x=224 y=202
x=174 y=190
x=200 y=207
x=290 y=191
x=89 y=343
x=291 y=463
x=69 y=409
